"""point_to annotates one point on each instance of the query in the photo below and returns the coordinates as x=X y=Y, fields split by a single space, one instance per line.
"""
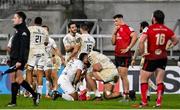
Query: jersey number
x=160 y=39
x=38 y=39
x=89 y=48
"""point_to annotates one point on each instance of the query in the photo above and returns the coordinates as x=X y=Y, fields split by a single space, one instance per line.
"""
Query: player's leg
x=93 y=85
x=123 y=72
x=48 y=81
x=25 y=84
x=40 y=73
x=145 y=73
x=14 y=90
x=160 y=85
x=54 y=78
x=109 y=93
x=122 y=64
x=70 y=93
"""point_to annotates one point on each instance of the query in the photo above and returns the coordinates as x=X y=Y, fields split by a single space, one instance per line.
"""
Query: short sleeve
x=79 y=65
x=66 y=41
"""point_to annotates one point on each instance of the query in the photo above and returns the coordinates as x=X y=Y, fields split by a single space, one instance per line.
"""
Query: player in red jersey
x=124 y=39
x=157 y=36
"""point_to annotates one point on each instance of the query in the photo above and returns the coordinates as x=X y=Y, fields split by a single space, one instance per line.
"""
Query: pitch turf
x=170 y=102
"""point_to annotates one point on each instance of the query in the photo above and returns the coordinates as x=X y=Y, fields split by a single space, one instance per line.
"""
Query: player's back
x=87 y=43
x=96 y=57
x=38 y=36
x=158 y=36
x=50 y=46
x=71 y=67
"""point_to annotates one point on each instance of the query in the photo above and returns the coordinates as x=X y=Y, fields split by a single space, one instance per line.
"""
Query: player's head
x=72 y=27
x=84 y=58
x=46 y=27
x=38 y=21
x=19 y=17
x=143 y=25
x=158 y=17
x=118 y=19
x=84 y=28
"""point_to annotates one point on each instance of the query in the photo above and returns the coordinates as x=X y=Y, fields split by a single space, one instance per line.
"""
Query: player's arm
x=133 y=36
x=58 y=52
x=46 y=38
x=142 y=40
x=97 y=67
x=76 y=48
x=113 y=39
x=77 y=77
x=133 y=39
x=174 y=42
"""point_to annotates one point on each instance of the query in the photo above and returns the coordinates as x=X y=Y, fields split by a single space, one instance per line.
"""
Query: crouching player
x=103 y=70
x=70 y=77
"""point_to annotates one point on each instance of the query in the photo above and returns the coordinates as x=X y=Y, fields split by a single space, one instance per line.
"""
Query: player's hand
x=125 y=50
x=63 y=61
x=145 y=54
x=53 y=60
x=18 y=64
x=116 y=28
x=133 y=62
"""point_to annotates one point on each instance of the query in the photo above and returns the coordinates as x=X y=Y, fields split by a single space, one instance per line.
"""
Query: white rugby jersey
x=87 y=43
x=70 y=40
x=71 y=68
x=49 y=48
x=37 y=38
x=96 y=57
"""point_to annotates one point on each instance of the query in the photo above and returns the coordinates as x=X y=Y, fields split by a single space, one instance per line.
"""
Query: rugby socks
x=160 y=90
x=67 y=97
x=144 y=89
x=97 y=93
x=47 y=87
x=14 y=90
x=39 y=89
x=149 y=92
x=26 y=85
x=125 y=95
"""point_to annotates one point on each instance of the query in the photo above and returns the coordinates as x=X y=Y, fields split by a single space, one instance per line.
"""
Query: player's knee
x=30 y=68
x=107 y=94
x=40 y=67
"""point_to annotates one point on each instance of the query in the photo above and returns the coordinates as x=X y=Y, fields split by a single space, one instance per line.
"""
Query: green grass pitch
x=171 y=101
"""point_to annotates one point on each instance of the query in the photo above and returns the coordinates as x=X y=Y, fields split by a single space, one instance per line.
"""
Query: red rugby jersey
x=157 y=38
x=123 y=40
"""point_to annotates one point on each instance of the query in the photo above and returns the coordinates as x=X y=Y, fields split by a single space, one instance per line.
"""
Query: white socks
x=97 y=93
x=47 y=87
x=39 y=89
x=67 y=97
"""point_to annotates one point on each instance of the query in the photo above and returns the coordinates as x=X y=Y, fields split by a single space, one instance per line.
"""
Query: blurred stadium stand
x=97 y=13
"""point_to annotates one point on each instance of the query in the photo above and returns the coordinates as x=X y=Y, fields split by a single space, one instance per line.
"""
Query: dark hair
x=38 y=20
x=84 y=26
x=82 y=55
x=144 y=24
x=21 y=15
x=46 y=27
x=69 y=25
x=118 y=16
x=159 y=16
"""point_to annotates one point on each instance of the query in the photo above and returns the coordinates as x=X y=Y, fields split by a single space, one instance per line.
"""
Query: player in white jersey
x=71 y=76
x=69 y=40
x=50 y=71
x=103 y=70
x=143 y=25
x=38 y=39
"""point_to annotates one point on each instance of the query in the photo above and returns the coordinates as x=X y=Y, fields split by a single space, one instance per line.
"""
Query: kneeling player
x=103 y=70
x=70 y=77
